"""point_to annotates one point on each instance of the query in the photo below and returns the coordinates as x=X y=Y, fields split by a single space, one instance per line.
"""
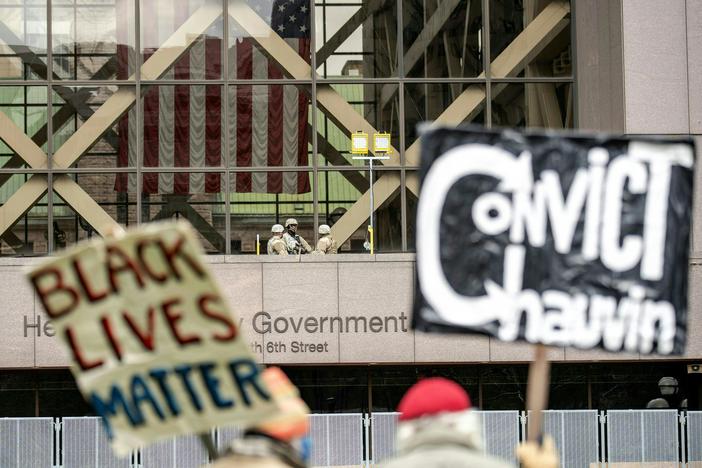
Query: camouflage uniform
x=294 y=246
x=276 y=246
x=327 y=245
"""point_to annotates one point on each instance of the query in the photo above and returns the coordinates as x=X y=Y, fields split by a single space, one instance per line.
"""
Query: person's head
x=324 y=229
x=439 y=405
x=277 y=230
x=291 y=225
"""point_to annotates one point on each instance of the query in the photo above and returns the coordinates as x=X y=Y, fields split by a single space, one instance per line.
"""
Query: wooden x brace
x=90 y=132
x=529 y=43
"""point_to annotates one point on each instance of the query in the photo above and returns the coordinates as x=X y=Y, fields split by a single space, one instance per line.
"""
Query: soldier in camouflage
x=296 y=244
x=326 y=243
x=276 y=244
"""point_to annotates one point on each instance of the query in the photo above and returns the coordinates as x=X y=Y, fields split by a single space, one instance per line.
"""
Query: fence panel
x=318 y=434
x=575 y=433
x=384 y=435
x=178 y=452
x=226 y=435
x=642 y=436
x=694 y=439
x=500 y=433
x=85 y=444
x=26 y=442
x=337 y=439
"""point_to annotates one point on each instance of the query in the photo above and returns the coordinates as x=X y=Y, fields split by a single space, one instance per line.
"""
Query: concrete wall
x=269 y=292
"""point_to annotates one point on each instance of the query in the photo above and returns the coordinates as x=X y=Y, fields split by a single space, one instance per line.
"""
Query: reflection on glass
x=338 y=191
x=509 y=19
x=105 y=188
x=29 y=236
x=94 y=41
x=199 y=21
x=442 y=39
x=23 y=41
x=544 y=105
x=378 y=104
x=26 y=107
x=73 y=106
x=427 y=101
x=195 y=196
x=356 y=39
x=258 y=200
x=288 y=19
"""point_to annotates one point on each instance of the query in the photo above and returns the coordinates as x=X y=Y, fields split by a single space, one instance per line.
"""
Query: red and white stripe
x=183 y=124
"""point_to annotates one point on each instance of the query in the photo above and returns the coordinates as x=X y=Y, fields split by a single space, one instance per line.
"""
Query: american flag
x=184 y=124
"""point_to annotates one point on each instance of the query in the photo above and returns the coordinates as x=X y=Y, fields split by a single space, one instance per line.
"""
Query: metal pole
x=208 y=443
x=372 y=230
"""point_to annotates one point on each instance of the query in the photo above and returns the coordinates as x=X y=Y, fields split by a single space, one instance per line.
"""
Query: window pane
x=29 y=236
x=197 y=197
x=114 y=193
x=175 y=24
x=411 y=179
x=23 y=27
x=269 y=125
x=73 y=106
x=252 y=19
x=510 y=19
x=545 y=105
x=94 y=41
x=258 y=200
x=442 y=39
x=377 y=104
x=26 y=107
x=340 y=190
x=356 y=39
x=429 y=101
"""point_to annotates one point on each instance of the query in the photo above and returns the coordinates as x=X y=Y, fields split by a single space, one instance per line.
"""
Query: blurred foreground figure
x=533 y=454
x=270 y=444
x=438 y=429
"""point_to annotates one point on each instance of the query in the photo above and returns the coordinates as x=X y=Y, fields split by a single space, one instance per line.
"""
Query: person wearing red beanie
x=438 y=429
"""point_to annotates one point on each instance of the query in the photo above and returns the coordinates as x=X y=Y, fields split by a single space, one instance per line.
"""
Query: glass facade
x=209 y=110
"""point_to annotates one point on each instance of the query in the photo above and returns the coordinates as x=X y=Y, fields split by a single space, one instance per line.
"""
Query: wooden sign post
x=537 y=392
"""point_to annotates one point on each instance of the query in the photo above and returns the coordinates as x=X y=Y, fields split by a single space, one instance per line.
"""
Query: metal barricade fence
x=178 y=452
x=383 y=428
x=638 y=437
x=693 y=439
x=575 y=433
x=643 y=437
x=26 y=442
x=85 y=443
x=337 y=439
x=500 y=431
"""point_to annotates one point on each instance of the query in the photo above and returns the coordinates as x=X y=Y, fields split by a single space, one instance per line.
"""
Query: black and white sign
x=561 y=240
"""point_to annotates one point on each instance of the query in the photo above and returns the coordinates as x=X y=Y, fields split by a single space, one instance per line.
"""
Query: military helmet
x=290 y=221
x=324 y=229
x=277 y=228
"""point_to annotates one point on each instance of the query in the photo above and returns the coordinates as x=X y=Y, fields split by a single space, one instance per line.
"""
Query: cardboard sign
x=560 y=240
x=155 y=348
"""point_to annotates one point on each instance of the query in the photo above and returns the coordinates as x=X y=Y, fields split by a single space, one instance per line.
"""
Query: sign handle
x=206 y=439
x=537 y=392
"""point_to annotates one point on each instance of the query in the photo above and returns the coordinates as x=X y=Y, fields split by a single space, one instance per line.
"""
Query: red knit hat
x=433 y=396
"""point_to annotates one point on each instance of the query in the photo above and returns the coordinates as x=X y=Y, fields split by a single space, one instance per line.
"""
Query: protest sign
x=155 y=348
x=562 y=240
